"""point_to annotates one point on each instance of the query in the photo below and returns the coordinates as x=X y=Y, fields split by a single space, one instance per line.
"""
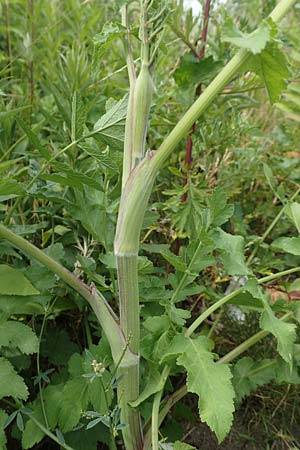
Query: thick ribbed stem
x=128 y=389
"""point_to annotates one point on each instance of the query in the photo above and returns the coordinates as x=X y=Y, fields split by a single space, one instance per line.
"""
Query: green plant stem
x=48 y=433
x=155 y=410
x=129 y=124
x=233 y=294
x=128 y=389
x=39 y=371
x=101 y=308
x=269 y=229
x=207 y=97
x=244 y=346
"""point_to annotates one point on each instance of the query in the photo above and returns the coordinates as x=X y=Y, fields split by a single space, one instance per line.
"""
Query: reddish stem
x=203 y=38
x=189 y=139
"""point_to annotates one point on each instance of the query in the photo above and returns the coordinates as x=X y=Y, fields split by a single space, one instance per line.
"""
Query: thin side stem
x=48 y=433
x=39 y=371
x=101 y=308
x=230 y=296
x=269 y=229
x=129 y=54
x=181 y=392
x=210 y=93
x=244 y=346
x=155 y=410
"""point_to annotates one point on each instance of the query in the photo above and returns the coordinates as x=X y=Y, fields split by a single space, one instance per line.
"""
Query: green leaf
x=284 y=374
x=232 y=252
x=10 y=188
x=174 y=260
x=292 y=210
x=89 y=209
x=249 y=374
x=183 y=446
x=12 y=385
x=87 y=439
x=285 y=333
x=211 y=382
x=192 y=72
x=270 y=65
x=58 y=338
x=52 y=400
x=154 y=383
x=175 y=348
x=81 y=390
x=13 y=282
x=10 y=304
x=110 y=128
x=108 y=35
x=17 y=335
x=74 y=400
x=288 y=245
x=219 y=210
x=33 y=138
x=254 y=42
x=177 y=315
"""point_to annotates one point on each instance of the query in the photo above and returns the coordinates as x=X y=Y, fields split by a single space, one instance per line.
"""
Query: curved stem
x=48 y=433
x=155 y=410
x=269 y=229
x=230 y=296
x=101 y=308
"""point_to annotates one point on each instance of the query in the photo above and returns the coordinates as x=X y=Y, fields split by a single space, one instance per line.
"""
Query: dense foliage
x=219 y=241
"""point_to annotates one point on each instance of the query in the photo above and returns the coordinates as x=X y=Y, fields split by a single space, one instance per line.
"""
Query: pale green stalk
x=136 y=189
x=127 y=238
x=128 y=388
